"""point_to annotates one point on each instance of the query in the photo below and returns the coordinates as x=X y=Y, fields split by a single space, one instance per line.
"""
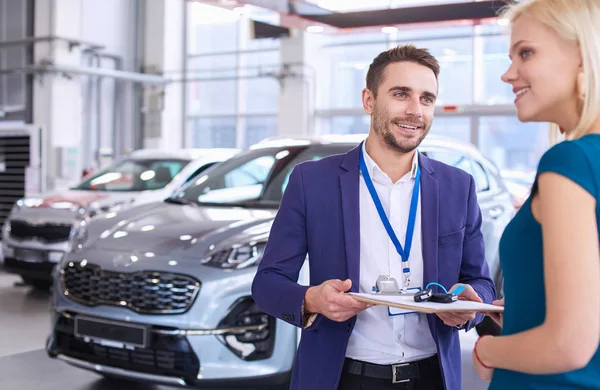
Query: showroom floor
x=24 y=365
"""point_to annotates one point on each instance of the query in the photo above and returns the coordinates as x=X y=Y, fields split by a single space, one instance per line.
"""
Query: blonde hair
x=577 y=21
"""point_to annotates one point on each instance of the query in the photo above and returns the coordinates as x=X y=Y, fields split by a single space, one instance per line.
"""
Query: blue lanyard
x=403 y=252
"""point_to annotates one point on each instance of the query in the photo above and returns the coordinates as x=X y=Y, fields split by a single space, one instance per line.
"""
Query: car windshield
x=256 y=178
x=134 y=175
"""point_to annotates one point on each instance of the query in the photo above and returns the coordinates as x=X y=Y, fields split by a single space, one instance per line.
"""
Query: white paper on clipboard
x=407 y=302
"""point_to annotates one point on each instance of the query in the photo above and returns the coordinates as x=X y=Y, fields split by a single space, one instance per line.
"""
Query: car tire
x=38 y=284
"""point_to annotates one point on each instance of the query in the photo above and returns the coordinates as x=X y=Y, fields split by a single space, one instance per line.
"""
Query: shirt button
x=349 y=328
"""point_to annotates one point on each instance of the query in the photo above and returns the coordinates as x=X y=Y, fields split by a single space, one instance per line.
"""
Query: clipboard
x=407 y=302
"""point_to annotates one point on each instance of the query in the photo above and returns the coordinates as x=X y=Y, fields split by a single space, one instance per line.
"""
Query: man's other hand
x=461 y=318
x=330 y=300
x=497 y=317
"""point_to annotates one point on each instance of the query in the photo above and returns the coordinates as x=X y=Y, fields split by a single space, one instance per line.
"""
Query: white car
x=40 y=230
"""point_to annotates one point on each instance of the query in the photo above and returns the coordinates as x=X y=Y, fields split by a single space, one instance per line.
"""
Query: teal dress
x=521 y=257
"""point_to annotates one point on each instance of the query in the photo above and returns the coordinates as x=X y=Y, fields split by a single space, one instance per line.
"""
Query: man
x=336 y=211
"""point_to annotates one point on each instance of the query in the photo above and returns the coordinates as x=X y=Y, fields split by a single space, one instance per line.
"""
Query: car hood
x=65 y=206
x=163 y=229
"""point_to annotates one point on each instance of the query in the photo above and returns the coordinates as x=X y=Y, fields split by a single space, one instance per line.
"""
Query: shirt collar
x=373 y=168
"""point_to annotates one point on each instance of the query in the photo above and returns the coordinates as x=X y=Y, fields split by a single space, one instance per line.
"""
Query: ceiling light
x=315 y=29
x=389 y=30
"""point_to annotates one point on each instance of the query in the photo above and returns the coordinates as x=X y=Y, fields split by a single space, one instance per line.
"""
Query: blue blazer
x=319 y=216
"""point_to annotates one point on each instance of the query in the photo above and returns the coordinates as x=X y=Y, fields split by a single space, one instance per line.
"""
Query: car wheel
x=38 y=284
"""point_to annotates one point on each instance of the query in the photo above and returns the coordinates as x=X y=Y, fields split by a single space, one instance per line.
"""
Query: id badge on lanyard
x=403 y=252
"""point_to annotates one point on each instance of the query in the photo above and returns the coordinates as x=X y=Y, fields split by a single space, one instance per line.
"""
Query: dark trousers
x=421 y=375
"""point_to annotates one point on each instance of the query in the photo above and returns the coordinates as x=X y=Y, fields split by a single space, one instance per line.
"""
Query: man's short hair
x=402 y=53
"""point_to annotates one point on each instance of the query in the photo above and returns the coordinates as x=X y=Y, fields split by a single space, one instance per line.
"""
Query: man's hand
x=330 y=300
x=461 y=318
x=497 y=317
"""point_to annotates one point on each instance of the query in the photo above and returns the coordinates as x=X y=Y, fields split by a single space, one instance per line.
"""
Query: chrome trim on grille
x=213 y=332
x=193 y=286
x=165 y=380
x=195 y=332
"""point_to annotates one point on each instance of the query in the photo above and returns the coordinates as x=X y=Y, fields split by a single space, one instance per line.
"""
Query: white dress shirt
x=377 y=337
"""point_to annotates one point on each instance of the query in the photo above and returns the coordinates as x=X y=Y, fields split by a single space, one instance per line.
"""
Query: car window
x=256 y=178
x=289 y=173
x=482 y=181
x=199 y=171
x=474 y=168
x=252 y=173
x=454 y=159
x=241 y=183
x=134 y=175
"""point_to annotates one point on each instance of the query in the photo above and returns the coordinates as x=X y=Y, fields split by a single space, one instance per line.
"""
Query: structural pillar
x=57 y=103
x=165 y=50
x=297 y=97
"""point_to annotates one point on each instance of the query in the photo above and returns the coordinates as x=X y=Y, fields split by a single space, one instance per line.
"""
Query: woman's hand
x=497 y=317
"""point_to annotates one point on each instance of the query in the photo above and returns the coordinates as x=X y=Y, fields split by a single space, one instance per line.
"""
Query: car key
x=423 y=295
x=443 y=298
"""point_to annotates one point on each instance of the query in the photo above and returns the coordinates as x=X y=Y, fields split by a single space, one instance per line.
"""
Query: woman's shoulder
x=578 y=160
x=573 y=152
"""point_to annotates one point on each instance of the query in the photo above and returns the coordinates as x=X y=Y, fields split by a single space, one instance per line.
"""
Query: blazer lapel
x=429 y=229
x=429 y=220
x=349 y=184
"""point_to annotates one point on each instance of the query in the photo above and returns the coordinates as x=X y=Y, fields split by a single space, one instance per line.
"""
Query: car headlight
x=236 y=256
x=6 y=228
x=79 y=235
x=252 y=335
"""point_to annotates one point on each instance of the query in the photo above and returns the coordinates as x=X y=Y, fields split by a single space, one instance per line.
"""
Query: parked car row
x=40 y=230
x=161 y=291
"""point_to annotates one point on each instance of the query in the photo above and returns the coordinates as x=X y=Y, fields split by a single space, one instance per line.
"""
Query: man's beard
x=382 y=123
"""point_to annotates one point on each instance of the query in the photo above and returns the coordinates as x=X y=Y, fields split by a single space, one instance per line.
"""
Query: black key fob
x=423 y=295
x=443 y=298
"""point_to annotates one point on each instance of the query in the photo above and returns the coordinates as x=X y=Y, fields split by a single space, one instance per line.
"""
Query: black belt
x=396 y=373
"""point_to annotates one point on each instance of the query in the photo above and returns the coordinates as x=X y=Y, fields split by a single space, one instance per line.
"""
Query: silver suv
x=40 y=229
x=161 y=292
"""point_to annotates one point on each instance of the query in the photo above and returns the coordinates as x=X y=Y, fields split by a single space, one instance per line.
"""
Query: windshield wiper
x=181 y=201
x=257 y=204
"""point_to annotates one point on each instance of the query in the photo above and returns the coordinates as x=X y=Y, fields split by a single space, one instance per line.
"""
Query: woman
x=550 y=251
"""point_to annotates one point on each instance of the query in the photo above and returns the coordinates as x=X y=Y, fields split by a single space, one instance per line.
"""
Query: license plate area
x=111 y=333
x=30 y=256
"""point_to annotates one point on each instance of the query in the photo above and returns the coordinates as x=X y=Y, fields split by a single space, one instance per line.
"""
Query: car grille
x=147 y=292
x=166 y=355
x=48 y=232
